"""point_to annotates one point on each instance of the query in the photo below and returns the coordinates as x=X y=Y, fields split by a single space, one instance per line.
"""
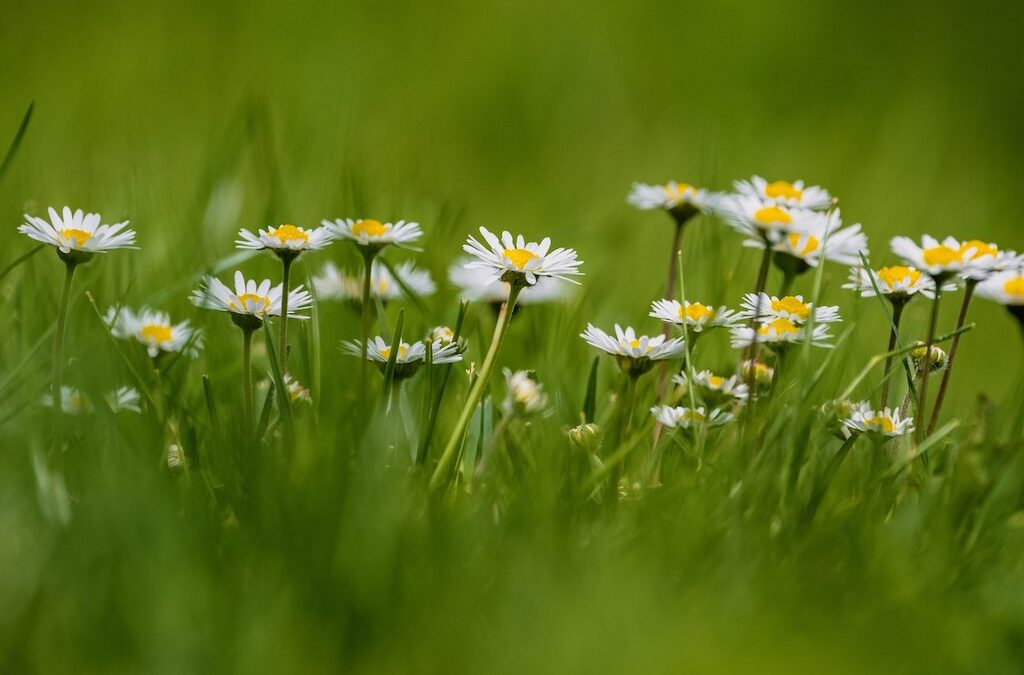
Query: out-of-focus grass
x=194 y=119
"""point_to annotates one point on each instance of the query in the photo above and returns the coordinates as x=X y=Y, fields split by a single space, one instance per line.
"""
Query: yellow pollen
x=792 y=306
x=287 y=233
x=941 y=255
x=773 y=215
x=245 y=298
x=781 y=326
x=519 y=256
x=810 y=246
x=781 y=189
x=890 y=276
x=1015 y=287
x=157 y=332
x=980 y=249
x=370 y=227
x=679 y=191
x=634 y=343
x=80 y=236
x=696 y=312
x=715 y=381
x=881 y=424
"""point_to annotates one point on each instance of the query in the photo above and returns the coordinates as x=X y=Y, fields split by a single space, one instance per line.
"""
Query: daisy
x=896 y=283
x=682 y=200
x=296 y=392
x=937 y=259
x=760 y=220
x=784 y=193
x=696 y=316
x=1005 y=287
x=525 y=394
x=375 y=234
x=717 y=387
x=154 y=330
x=333 y=284
x=779 y=333
x=985 y=259
x=636 y=355
x=761 y=374
x=74 y=402
x=249 y=303
x=285 y=240
x=880 y=424
x=479 y=285
x=763 y=307
x=821 y=235
x=409 y=358
x=685 y=418
x=77 y=235
x=521 y=263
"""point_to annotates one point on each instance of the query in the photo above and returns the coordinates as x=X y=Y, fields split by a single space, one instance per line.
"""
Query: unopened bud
x=939 y=359
x=585 y=437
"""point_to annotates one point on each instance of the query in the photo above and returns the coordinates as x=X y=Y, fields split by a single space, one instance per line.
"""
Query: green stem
x=368 y=256
x=762 y=280
x=968 y=294
x=282 y=343
x=788 y=277
x=922 y=399
x=247 y=383
x=826 y=480
x=58 y=350
x=476 y=392
x=894 y=334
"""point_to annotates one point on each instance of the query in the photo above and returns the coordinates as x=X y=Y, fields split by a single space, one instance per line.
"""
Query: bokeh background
x=196 y=118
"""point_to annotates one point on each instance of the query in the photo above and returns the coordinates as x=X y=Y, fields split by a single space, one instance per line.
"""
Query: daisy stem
x=894 y=334
x=476 y=392
x=368 y=256
x=922 y=399
x=762 y=280
x=247 y=382
x=788 y=277
x=58 y=347
x=673 y=265
x=282 y=345
x=968 y=294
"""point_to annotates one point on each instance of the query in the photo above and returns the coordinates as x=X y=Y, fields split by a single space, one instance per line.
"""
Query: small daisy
x=821 y=235
x=717 y=387
x=684 y=418
x=74 y=402
x=154 y=330
x=296 y=392
x=79 y=232
x=479 y=285
x=636 y=355
x=790 y=307
x=697 y=317
x=525 y=394
x=249 y=303
x=880 y=424
x=286 y=240
x=1006 y=288
x=682 y=200
x=985 y=259
x=409 y=358
x=784 y=193
x=938 y=259
x=759 y=219
x=514 y=260
x=374 y=233
x=333 y=284
x=779 y=333
x=896 y=282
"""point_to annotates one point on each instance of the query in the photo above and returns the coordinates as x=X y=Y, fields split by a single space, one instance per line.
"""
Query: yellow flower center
x=1015 y=287
x=382 y=286
x=773 y=215
x=941 y=255
x=261 y=301
x=780 y=327
x=980 y=249
x=715 y=381
x=782 y=189
x=890 y=276
x=519 y=256
x=692 y=416
x=80 y=236
x=157 y=332
x=696 y=312
x=881 y=423
x=792 y=306
x=810 y=245
x=287 y=233
x=679 y=191
x=402 y=351
x=370 y=227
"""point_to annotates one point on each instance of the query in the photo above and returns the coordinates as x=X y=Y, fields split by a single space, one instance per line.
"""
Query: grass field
x=326 y=550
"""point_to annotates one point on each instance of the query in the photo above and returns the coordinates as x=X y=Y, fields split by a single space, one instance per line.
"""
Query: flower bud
x=760 y=373
x=585 y=437
x=939 y=359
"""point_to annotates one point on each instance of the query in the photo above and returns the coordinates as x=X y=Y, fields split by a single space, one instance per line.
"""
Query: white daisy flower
x=525 y=395
x=759 y=219
x=685 y=418
x=124 y=398
x=778 y=333
x=716 y=386
x=74 y=402
x=985 y=259
x=515 y=260
x=479 y=285
x=695 y=315
x=942 y=259
x=792 y=308
x=819 y=234
x=681 y=199
x=334 y=284
x=287 y=240
x=1006 y=288
x=374 y=233
x=249 y=302
x=410 y=356
x=77 y=231
x=636 y=354
x=154 y=329
x=296 y=392
x=898 y=282
x=886 y=423
x=784 y=193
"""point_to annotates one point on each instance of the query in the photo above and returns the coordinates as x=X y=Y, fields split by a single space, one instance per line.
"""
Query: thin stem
x=282 y=341
x=368 y=256
x=922 y=399
x=788 y=277
x=762 y=280
x=250 y=423
x=968 y=294
x=894 y=334
x=58 y=350
x=476 y=392
x=826 y=480
x=670 y=287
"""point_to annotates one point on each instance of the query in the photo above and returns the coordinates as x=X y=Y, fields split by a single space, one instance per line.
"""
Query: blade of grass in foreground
x=12 y=149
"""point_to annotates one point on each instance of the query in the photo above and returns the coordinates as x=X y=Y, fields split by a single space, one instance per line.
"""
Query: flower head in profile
x=525 y=394
x=249 y=303
x=779 y=333
x=334 y=284
x=697 y=316
x=898 y=283
x=409 y=357
x=880 y=424
x=635 y=354
x=375 y=234
x=285 y=240
x=296 y=392
x=154 y=330
x=479 y=285
x=77 y=235
x=941 y=260
x=759 y=220
x=74 y=402
x=1005 y=287
x=985 y=259
x=716 y=388
x=517 y=261
x=761 y=374
x=793 y=195
x=792 y=308
x=820 y=235
x=682 y=200
x=685 y=418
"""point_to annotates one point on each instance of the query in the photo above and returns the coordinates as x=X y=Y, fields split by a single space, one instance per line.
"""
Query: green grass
x=194 y=119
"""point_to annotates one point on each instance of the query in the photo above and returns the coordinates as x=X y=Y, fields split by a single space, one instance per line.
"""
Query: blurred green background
x=196 y=118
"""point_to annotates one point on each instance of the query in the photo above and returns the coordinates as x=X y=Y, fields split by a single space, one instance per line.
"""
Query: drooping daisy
x=250 y=302
x=74 y=402
x=881 y=424
x=286 y=240
x=792 y=308
x=696 y=316
x=154 y=329
x=375 y=234
x=77 y=235
x=779 y=333
x=792 y=195
x=896 y=282
x=761 y=220
x=635 y=354
x=685 y=418
x=296 y=392
x=479 y=285
x=682 y=200
x=409 y=358
x=821 y=235
x=716 y=388
x=521 y=263
x=525 y=394
x=333 y=284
